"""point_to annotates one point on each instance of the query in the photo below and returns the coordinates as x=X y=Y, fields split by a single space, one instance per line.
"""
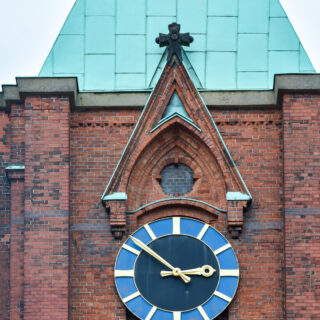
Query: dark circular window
x=176 y=179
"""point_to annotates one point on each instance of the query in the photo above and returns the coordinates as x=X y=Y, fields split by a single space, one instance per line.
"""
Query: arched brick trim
x=174 y=125
x=175 y=79
x=176 y=143
x=178 y=159
x=183 y=210
x=200 y=143
x=178 y=202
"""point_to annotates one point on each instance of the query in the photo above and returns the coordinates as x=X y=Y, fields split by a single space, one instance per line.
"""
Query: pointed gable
x=176 y=132
x=239 y=44
x=175 y=95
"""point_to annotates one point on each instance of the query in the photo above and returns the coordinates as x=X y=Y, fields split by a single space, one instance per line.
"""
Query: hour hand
x=205 y=271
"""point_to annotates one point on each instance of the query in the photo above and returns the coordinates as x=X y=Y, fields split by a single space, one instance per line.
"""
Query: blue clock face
x=176 y=269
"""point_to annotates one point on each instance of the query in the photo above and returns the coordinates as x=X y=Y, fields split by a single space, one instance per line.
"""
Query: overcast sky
x=30 y=27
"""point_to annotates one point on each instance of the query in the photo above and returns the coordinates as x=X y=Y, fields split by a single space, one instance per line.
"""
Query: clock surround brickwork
x=280 y=228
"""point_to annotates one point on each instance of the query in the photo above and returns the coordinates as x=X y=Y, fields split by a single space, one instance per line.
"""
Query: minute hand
x=175 y=271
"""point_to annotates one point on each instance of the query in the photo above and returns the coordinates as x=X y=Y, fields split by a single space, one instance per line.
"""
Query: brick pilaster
x=15 y=174
x=46 y=248
x=301 y=121
x=16 y=245
x=4 y=216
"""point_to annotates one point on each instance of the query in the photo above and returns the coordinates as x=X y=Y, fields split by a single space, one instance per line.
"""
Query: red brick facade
x=301 y=123
x=58 y=241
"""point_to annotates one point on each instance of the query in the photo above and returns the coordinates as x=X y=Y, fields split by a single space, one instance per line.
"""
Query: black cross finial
x=174 y=40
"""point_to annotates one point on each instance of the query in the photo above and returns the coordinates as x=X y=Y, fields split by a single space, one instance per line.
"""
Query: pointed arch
x=179 y=144
x=176 y=79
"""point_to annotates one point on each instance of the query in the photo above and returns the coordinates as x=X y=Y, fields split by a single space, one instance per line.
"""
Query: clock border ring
x=199 y=308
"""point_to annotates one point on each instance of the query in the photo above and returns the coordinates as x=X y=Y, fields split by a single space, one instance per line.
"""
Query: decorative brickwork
x=153 y=146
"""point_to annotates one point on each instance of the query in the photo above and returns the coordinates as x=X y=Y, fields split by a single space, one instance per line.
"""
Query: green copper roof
x=238 y=44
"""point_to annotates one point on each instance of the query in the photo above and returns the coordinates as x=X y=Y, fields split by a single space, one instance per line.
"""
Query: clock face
x=176 y=269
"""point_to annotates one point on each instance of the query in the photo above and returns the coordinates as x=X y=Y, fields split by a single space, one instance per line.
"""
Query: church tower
x=164 y=165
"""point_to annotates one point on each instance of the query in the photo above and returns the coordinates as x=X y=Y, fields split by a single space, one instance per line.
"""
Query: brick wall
x=253 y=138
x=97 y=142
x=89 y=144
x=301 y=121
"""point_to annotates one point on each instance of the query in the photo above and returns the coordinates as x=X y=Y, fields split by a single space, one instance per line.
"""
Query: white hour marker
x=229 y=272
x=133 y=250
x=150 y=232
x=176 y=225
x=203 y=231
x=222 y=296
x=203 y=313
x=132 y=296
x=123 y=273
x=151 y=313
x=221 y=249
x=176 y=315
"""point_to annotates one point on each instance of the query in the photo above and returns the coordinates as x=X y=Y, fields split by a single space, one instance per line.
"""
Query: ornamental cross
x=174 y=40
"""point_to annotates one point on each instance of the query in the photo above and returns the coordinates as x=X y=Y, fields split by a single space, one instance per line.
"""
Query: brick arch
x=177 y=158
x=168 y=211
x=176 y=143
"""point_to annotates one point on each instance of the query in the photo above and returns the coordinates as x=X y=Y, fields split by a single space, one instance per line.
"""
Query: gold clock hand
x=205 y=271
x=175 y=271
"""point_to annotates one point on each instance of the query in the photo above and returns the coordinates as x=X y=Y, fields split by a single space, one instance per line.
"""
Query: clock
x=176 y=269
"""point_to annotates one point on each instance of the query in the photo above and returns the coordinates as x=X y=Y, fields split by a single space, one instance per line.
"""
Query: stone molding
x=15 y=172
x=137 y=99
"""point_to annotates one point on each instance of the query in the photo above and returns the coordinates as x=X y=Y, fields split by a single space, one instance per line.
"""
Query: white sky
x=30 y=27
